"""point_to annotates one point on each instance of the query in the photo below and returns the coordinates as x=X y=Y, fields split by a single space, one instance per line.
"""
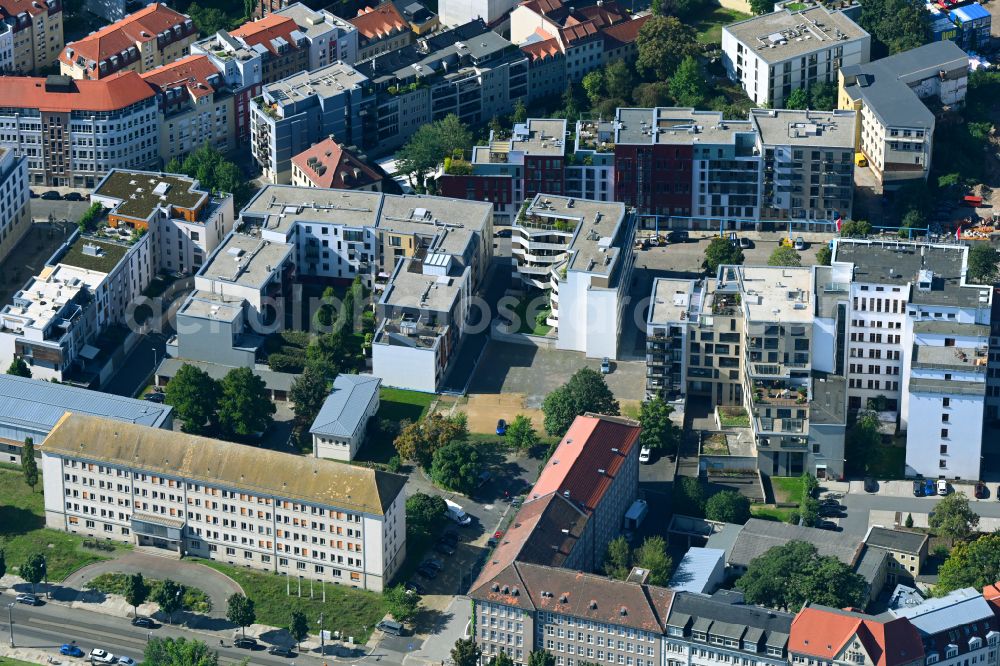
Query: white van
x=457 y=513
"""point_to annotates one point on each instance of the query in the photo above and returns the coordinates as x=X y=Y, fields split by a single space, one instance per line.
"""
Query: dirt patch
x=483 y=410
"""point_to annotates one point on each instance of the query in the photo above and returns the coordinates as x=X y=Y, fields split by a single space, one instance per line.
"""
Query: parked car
x=483 y=478
x=745 y=243
x=413 y=586
x=605 y=366
x=245 y=642
x=871 y=485
x=280 y=651
x=929 y=487
x=73 y=196
x=29 y=599
x=427 y=572
x=391 y=627
x=49 y=195
x=126 y=661
x=33 y=194
x=144 y=622
x=800 y=243
x=678 y=237
x=918 y=488
x=501 y=427
x=450 y=538
x=444 y=548
x=942 y=487
x=155 y=397
x=828 y=525
x=981 y=491
x=831 y=511
x=70 y=650
x=457 y=514
x=99 y=656
x=644 y=454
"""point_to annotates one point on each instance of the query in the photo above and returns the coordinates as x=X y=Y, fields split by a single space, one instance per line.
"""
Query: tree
x=501 y=659
x=721 y=252
x=618 y=559
x=913 y=219
x=762 y=6
x=593 y=85
x=136 y=591
x=33 y=570
x=3 y=563
x=658 y=431
x=308 y=393
x=214 y=171
x=244 y=405
x=178 y=652
x=909 y=520
x=401 y=603
x=430 y=144
x=209 y=20
x=973 y=564
x=466 y=652
x=688 y=86
x=325 y=354
x=418 y=441
x=541 y=658
x=521 y=433
x=170 y=597
x=662 y=43
x=855 y=229
x=728 y=506
x=895 y=25
x=798 y=99
x=194 y=395
x=650 y=95
x=954 y=518
x=823 y=96
x=29 y=466
x=571 y=106
x=424 y=511
x=19 y=368
x=863 y=439
x=689 y=497
x=456 y=466
x=652 y=556
x=520 y=113
x=586 y=391
x=682 y=9
x=240 y=611
x=824 y=256
x=983 y=259
x=787 y=576
x=618 y=79
x=298 y=627
x=784 y=256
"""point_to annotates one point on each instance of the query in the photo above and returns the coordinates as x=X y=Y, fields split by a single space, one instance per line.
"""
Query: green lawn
x=23 y=532
x=787 y=488
x=709 y=26
x=195 y=600
x=395 y=405
x=886 y=461
x=734 y=417
x=766 y=512
x=528 y=322
x=352 y=611
x=8 y=661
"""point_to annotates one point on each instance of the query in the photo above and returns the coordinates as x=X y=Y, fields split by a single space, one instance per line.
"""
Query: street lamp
x=10 y=619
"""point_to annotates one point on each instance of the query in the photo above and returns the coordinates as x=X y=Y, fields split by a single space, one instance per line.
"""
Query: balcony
x=779 y=395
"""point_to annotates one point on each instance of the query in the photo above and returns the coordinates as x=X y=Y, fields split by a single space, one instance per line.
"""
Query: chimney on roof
x=593 y=604
x=614 y=450
x=601 y=471
x=563 y=599
x=565 y=531
x=566 y=494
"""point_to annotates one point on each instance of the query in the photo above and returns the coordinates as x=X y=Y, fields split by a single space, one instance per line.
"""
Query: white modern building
x=339 y=429
x=582 y=252
x=188 y=495
x=15 y=201
x=773 y=54
x=459 y=12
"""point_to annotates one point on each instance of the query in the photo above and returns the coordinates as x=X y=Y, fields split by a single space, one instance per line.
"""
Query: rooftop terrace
x=140 y=193
x=597 y=225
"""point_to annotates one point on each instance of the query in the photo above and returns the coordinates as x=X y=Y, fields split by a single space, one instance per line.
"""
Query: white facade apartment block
x=774 y=54
x=89 y=491
x=15 y=202
x=459 y=12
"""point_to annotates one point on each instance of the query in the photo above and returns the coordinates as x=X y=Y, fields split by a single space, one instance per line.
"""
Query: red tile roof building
x=287 y=49
x=121 y=130
x=847 y=638
x=328 y=164
x=381 y=29
x=151 y=37
x=38 y=32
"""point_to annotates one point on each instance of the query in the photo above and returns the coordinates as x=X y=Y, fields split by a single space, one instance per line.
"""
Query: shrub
x=282 y=362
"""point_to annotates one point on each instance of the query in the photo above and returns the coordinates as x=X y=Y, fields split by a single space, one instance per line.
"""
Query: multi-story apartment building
x=196 y=107
x=381 y=29
x=907 y=553
x=151 y=37
x=895 y=129
x=187 y=223
x=37 y=27
x=84 y=290
x=74 y=132
x=32 y=407
x=297 y=112
x=15 y=201
x=957 y=627
x=328 y=164
x=667 y=328
x=707 y=630
x=919 y=348
x=115 y=10
x=469 y=71
x=330 y=38
x=283 y=47
x=459 y=12
x=786 y=50
x=808 y=163
x=242 y=71
x=846 y=638
x=296 y=515
x=582 y=252
x=6 y=47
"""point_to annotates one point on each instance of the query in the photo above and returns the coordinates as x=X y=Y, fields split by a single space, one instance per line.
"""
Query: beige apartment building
x=38 y=32
x=153 y=36
x=187 y=495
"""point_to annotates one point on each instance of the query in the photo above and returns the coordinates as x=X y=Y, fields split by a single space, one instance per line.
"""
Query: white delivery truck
x=457 y=513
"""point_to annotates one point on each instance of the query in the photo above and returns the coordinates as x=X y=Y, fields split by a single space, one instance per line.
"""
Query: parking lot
x=685 y=259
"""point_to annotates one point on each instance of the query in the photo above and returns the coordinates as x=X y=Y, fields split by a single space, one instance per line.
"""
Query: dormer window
x=933 y=658
x=698 y=635
x=951 y=651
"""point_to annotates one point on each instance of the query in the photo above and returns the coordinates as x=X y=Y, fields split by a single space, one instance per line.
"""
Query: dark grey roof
x=730 y=617
x=947 y=386
x=897 y=540
x=885 y=84
x=759 y=536
x=871 y=563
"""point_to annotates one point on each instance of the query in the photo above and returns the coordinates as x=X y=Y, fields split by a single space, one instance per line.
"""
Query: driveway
x=216 y=585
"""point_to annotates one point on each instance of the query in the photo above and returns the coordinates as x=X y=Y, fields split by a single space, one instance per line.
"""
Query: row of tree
x=651 y=556
x=238 y=406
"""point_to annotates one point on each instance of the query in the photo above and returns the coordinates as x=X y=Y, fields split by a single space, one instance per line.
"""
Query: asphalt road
x=59 y=209
x=858 y=506
x=49 y=626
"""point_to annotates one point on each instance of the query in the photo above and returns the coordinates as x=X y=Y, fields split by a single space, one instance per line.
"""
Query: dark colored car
x=245 y=642
x=871 y=485
x=828 y=525
x=929 y=489
x=678 y=237
x=450 y=538
x=831 y=511
x=433 y=562
x=427 y=572
x=444 y=548
x=154 y=397
x=34 y=194
x=501 y=427
x=981 y=491
x=414 y=586
x=918 y=488
x=144 y=622
x=49 y=195
x=280 y=651
x=73 y=196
